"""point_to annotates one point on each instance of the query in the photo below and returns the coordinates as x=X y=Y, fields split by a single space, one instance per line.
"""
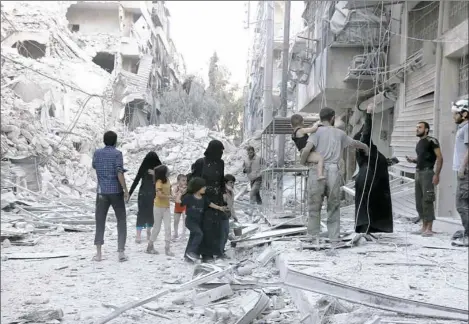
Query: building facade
x=132 y=41
x=355 y=52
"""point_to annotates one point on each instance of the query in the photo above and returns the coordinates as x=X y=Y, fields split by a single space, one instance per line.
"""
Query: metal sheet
x=300 y=280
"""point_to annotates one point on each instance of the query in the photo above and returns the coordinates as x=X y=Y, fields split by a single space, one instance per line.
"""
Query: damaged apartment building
x=255 y=88
x=72 y=69
x=352 y=53
x=131 y=40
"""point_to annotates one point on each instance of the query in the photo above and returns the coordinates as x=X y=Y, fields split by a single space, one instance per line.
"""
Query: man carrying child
x=329 y=142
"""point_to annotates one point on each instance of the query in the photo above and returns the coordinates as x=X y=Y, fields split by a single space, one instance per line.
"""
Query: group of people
x=204 y=203
x=205 y=196
x=321 y=147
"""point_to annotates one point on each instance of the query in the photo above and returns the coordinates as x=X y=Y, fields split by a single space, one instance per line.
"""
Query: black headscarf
x=214 y=150
x=150 y=161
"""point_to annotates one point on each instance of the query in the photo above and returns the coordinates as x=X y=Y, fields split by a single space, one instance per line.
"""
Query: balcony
x=365 y=70
x=359 y=28
x=331 y=81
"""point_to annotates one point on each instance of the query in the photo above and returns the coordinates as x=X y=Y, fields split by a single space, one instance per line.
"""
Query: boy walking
x=112 y=191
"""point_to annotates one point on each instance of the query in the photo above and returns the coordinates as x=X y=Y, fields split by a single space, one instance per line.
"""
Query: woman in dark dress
x=146 y=194
x=373 y=212
x=212 y=168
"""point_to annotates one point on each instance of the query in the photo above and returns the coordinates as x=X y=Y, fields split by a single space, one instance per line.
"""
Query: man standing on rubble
x=426 y=178
x=460 y=110
x=112 y=191
x=252 y=167
x=329 y=142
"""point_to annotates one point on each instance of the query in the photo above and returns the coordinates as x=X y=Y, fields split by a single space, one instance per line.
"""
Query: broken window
x=30 y=48
x=74 y=28
x=77 y=146
x=105 y=61
x=423 y=24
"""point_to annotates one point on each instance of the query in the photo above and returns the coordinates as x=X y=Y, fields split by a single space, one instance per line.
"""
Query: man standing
x=252 y=167
x=111 y=191
x=329 y=142
x=426 y=178
x=460 y=111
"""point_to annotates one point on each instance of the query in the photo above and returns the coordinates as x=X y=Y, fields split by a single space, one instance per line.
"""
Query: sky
x=198 y=28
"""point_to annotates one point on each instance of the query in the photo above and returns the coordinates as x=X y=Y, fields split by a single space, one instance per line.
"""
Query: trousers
x=317 y=190
x=103 y=202
x=196 y=235
x=425 y=194
x=161 y=215
x=254 y=194
x=462 y=201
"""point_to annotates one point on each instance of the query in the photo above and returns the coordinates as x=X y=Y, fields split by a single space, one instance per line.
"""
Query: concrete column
x=449 y=91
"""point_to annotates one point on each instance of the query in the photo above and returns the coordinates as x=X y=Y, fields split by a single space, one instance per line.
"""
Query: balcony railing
x=360 y=31
x=368 y=66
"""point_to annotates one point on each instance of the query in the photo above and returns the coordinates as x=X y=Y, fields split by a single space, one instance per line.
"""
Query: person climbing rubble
x=460 y=110
x=328 y=141
x=112 y=191
x=252 y=167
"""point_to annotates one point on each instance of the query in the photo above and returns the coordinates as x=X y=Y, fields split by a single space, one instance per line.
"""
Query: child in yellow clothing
x=161 y=213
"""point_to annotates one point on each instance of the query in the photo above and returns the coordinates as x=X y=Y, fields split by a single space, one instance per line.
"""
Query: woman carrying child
x=146 y=194
x=179 y=210
x=161 y=211
x=197 y=204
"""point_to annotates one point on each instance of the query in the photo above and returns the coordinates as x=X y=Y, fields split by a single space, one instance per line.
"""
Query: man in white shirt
x=460 y=110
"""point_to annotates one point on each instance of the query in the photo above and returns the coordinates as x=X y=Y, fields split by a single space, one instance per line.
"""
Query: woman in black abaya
x=373 y=206
x=146 y=194
x=212 y=169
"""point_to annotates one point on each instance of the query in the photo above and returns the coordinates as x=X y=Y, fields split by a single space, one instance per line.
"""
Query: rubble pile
x=178 y=147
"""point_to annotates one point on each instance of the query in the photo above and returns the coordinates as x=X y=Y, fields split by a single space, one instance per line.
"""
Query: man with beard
x=426 y=178
x=329 y=142
x=460 y=110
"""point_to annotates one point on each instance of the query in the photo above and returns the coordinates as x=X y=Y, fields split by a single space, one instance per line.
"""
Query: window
x=74 y=28
x=423 y=24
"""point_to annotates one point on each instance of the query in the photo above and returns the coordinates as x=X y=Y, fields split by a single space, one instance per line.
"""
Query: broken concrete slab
x=300 y=280
x=254 y=305
x=213 y=295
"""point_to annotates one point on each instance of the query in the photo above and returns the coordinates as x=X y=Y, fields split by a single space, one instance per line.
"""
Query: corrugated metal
x=420 y=82
x=403 y=138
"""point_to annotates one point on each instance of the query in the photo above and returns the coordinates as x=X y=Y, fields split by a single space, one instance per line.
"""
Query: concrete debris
x=213 y=295
x=41 y=316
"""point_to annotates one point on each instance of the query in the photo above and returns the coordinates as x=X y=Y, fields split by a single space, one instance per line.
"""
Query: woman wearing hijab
x=211 y=168
x=373 y=206
x=146 y=194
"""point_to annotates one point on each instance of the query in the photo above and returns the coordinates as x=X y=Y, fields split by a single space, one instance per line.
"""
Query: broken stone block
x=6 y=243
x=245 y=270
x=212 y=295
x=37 y=301
x=43 y=315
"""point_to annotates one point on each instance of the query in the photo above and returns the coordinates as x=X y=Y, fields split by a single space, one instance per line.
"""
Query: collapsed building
x=71 y=70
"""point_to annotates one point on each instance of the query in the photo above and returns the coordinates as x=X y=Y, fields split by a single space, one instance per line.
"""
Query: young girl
x=179 y=210
x=196 y=205
x=161 y=211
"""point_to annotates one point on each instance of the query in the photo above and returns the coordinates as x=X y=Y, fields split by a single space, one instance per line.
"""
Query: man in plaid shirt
x=111 y=191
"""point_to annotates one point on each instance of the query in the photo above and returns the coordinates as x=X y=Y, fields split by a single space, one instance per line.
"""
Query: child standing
x=179 y=210
x=228 y=197
x=161 y=211
x=196 y=204
x=300 y=137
